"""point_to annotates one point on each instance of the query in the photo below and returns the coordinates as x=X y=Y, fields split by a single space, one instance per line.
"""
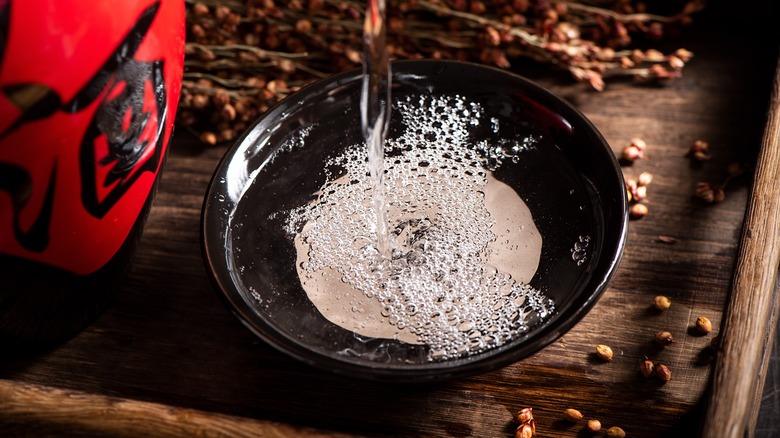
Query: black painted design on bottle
x=126 y=147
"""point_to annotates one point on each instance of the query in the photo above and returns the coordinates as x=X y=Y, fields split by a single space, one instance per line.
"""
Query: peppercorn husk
x=664 y=338
x=661 y=302
x=526 y=430
x=572 y=415
x=523 y=416
x=662 y=372
x=699 y=151
x=604 y=352
x=703 y=324
x=638 y=211
x=647 y=368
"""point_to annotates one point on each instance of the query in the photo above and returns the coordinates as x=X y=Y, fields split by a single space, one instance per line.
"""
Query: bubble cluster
x=579 y=252
x=437 y=284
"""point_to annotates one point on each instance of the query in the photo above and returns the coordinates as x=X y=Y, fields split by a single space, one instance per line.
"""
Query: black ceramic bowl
x=550 y=155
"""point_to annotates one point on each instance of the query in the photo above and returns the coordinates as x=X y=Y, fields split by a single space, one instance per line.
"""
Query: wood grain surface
x=751 y=314
x=168 y=358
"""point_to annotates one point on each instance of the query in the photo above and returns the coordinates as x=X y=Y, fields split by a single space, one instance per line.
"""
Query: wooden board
x=169 y=357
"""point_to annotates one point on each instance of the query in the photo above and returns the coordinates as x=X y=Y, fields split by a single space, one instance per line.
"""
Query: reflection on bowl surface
x=506 y=210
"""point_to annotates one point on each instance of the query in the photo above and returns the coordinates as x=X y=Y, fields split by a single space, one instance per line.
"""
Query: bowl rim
x=538 y=339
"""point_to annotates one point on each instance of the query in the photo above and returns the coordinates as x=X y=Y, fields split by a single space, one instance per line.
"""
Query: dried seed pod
x=631 y=154
x=664 y=338
x=675 y=62
x=631 y=185
x=524 y=416
x=667 y=239
x=699 y=146
x=526 y=430
x=209 y=138
x=532 y=426
x=221 y=12
x=700 y=156
x=200 y=101
x=604 y=352
x=303 y=26
x=663 y=373
x=220 y=99
x=703 y=324
x=645 y=178
x=492 y=36
x=228 y=112
x=705 y=192
x=683 y=54
x=199 y=9
x=699 y=151
x=661 y=302
x=572 y=415
x=226 y=135
x=198 y=31
x=477 y=7
x=594 y=425
x=638 y=143
x=640 y=193
x=647 y=368
x=709 y=194
x=616 y=432
x=720 y=195
x=354 y=56
x=637 y=211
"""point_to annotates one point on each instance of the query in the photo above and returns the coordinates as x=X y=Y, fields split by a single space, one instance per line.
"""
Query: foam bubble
x=457 y=276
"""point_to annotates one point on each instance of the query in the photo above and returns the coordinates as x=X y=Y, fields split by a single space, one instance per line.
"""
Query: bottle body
x=89 y=95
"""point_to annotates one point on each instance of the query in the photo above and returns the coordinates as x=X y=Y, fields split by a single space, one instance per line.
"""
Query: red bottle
x=88 y=95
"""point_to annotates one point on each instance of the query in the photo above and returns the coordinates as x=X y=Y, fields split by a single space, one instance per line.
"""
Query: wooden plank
x=37 y=410
x=751 y=316
x=169 y=340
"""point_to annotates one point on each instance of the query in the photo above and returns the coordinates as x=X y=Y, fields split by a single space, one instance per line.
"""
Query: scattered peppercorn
x=662 y=372
x=699 y=151
x=664 y=338
x=708 y=193
x=645 y=178
x=638 y=211
x=526 y=424
x=616 y=432
x=640 y=193
x=209 y=138
x=661 y=302
x=638 y=143
x=604 y=352
x=524 y=416
x=594 y=425
x=572 y=415
x=631 y=154
x=647 y=368
x=525 y=431
x=703 y=324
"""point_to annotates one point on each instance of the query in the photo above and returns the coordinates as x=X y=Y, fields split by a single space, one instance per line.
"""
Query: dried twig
x=245 y=55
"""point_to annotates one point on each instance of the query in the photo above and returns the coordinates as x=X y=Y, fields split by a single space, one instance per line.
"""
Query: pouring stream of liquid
x=375 y=111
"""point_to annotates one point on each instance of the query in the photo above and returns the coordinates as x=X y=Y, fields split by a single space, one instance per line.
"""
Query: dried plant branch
x=245 y=55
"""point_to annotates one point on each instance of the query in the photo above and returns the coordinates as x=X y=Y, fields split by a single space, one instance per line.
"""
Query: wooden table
x=169 y=359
